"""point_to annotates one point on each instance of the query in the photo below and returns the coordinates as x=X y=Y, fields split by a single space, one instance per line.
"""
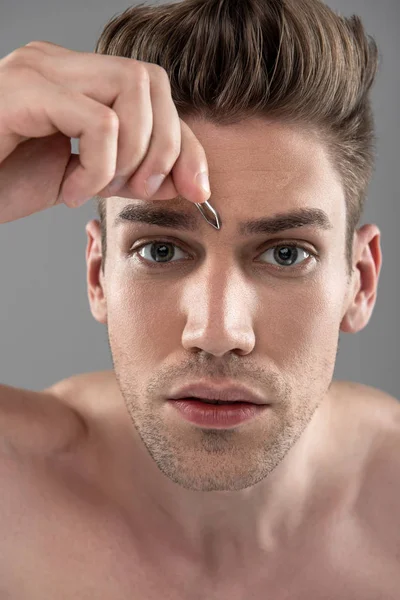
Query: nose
x=220 y=308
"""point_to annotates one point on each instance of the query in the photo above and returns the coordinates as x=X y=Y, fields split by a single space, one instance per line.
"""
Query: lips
x=218 y=402
x=218 y=393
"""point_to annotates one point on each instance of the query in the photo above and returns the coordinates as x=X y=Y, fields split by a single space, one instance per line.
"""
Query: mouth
x=216 y=402
x=219 y=394
x=217 y=414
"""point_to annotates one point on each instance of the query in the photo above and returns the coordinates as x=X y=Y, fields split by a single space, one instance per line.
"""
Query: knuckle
x=161 y=72
x=163 y=157
x=158 y=72
x=107 y=120
x=45 y=46
x=171 y=148
x=140 y=70
x=19 y=57
x=164 y=78
x=36 y=44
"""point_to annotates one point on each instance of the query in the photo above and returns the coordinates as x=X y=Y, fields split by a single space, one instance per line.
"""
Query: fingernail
x=153 y=184
x=203 y=181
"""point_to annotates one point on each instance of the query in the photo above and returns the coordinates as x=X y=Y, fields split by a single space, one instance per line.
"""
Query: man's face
x=213 y=304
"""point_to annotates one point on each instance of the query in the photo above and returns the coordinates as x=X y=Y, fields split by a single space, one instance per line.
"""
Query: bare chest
x=71 y=544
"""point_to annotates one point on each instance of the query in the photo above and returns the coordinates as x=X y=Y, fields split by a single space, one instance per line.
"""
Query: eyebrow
x=185 y=221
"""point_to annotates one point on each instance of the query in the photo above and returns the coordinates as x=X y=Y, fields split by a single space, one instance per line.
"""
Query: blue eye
x=162 y=252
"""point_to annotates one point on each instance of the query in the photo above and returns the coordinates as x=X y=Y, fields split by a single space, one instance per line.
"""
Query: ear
x=367 y=263
x=94 y=275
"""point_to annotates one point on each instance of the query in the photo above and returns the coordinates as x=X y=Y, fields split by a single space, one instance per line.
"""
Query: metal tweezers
x=210 y=214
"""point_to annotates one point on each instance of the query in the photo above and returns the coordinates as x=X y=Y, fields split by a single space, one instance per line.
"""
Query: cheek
x=304 y=327
x=142 y=315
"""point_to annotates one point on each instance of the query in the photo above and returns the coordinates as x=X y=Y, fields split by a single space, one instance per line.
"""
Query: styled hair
x=295 y=61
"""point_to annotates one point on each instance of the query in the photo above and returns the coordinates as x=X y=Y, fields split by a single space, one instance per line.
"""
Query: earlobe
x=348 y=321
x=353 y=321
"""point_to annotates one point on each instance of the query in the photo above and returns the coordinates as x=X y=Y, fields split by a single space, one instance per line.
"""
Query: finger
x=167 y=191
x=171 y=188
x=106 y=77
x=162 y=140
x=191 y=163
x=136 y=128
x=55 y=108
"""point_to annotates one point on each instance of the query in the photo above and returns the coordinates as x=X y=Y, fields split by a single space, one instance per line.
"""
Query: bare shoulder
x=55 y=419
x=378 y=502
x=36 y=422
x=376 y=416
x=375 y=407
x=84 y=385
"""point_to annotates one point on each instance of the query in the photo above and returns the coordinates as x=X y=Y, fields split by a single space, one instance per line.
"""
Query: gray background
x=47 y=330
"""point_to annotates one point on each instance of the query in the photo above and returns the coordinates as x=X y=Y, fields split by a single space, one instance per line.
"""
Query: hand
x=121 y=110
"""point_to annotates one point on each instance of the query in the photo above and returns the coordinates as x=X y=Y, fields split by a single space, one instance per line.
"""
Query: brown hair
x=293 y=60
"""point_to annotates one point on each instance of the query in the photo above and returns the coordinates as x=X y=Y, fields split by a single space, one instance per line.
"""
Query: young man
x=129 y=483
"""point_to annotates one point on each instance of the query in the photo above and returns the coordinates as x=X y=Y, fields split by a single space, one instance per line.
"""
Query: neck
x=218 y=530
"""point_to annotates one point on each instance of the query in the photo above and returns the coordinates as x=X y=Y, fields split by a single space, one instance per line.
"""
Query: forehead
x=257 y=151
x=259 y=167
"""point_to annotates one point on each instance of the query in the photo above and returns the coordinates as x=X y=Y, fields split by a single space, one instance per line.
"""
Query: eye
x=161 y=252
x=287 y=254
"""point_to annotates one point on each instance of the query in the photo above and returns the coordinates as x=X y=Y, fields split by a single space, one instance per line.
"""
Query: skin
x=222 y=309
